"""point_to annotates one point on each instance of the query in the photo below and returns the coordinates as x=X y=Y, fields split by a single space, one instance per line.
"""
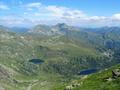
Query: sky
x=83 y=13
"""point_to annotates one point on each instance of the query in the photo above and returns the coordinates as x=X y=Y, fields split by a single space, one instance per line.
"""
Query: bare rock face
x=72 y=86
x=68 y=88
x=3 y=73
x=116 y=73
x=1 y=88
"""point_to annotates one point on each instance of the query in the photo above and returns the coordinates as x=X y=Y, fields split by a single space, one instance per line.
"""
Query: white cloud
x=3 y=7
x=30 y=6
x=64 y=12
x=97 y=18
x=116 y=16
x=55 y=11
x=37 y=13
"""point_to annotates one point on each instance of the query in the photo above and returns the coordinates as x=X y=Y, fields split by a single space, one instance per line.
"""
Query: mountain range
x=61 y=51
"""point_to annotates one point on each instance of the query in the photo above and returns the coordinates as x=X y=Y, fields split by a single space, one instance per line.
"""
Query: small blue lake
x=88 y=71
x=36 y=61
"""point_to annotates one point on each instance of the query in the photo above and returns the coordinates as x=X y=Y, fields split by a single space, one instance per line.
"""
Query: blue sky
x=82 y=13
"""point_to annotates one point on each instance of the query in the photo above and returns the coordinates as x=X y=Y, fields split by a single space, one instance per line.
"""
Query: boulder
x=1 y=88
x=68 y=87
x=116 y=73
x=75 y=85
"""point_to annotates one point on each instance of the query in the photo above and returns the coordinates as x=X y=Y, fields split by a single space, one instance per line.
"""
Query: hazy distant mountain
x=19 y=29
x=60 y=28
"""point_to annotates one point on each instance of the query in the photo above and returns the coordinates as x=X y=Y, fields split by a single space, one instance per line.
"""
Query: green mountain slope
x=64 y=50
x=103 y=80
x=56 y=51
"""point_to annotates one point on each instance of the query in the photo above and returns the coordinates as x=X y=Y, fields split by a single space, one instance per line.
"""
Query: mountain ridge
x=64 y=52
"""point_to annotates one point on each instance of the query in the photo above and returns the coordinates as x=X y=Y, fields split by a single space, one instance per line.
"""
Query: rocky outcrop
x=116 y=73
x=72 y=86
x=3 y=73
x=1 y=88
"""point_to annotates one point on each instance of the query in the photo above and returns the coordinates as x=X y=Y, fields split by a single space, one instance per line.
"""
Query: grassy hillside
x=56 y=51
x=102 y=80
x=64 y=53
